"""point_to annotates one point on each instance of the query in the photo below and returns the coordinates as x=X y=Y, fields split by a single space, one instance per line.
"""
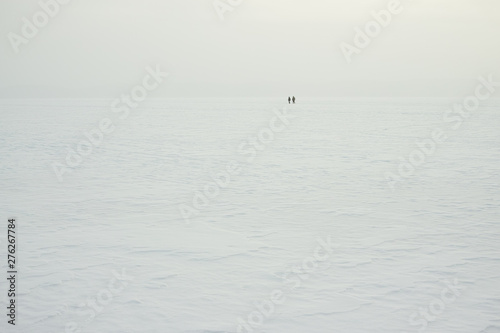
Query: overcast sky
x=100 y=48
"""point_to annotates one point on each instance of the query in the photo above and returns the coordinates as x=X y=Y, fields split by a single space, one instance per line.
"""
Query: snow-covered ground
x=312 y=235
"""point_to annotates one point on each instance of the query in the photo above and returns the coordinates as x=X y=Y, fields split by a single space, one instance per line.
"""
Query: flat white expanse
x=117 y=214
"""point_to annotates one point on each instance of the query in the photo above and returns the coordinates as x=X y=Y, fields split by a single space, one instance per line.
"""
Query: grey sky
x=263 y=48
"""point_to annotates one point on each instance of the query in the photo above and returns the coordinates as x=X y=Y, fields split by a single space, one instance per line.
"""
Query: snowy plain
x=107 y=248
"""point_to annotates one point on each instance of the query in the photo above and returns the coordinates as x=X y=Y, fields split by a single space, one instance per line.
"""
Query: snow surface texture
x=107 y=250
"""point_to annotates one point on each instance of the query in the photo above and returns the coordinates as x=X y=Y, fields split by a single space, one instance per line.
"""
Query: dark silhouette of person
x=293 y=99
x=288 y=99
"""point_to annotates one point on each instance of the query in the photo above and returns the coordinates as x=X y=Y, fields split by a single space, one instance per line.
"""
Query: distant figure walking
x=293 y=99
x=288 y=99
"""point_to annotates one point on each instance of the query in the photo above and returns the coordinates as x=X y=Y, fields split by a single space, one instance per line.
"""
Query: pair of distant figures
x=291 y=99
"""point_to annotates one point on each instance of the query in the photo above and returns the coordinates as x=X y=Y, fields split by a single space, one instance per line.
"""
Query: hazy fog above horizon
x=261 y=48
